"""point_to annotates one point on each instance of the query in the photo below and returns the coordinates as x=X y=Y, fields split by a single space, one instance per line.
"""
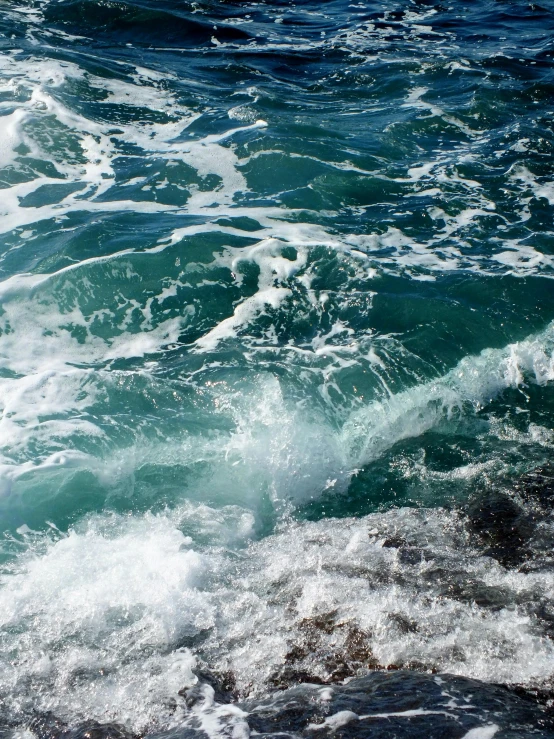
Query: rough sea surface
x=276 y=368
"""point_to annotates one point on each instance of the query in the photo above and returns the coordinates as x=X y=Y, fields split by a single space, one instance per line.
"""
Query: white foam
x=404 y=714
x=530 y=182
x=275 y=449
x=97 y=618
x=100 y=143
x=92 y=171
x=244 y=314
x=482 y=732
x=109 y=606
x=10 y=137
x=335 y=721
x=402 y=615
x=273 y=267
x=414 y=100
x=40 y=337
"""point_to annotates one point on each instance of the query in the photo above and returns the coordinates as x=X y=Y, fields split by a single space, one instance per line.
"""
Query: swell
x=141 y=24
x=242 y=442
x=263 y=264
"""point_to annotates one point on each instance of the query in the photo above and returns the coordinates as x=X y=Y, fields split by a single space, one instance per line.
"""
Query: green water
x=263 y=268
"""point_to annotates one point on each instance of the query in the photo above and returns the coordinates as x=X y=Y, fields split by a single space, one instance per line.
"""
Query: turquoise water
x=275 y=282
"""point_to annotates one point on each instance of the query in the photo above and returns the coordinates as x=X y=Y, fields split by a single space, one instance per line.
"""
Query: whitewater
x=276 y=369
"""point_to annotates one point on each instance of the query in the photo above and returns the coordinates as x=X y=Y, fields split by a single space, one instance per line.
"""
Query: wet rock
x=399 y=704
x=394 y=704
x=94 y=730
x=537 y=486
x=512 y=519
x=394 y=542
x=48 y=726
x=411 y=555
x=405 y=625
x=223 y=685
x=322 y=622
x=503 y=524
x=468 y=590
x=543 y=697
x=327 y=651
x=357 y=646
x=289 y=676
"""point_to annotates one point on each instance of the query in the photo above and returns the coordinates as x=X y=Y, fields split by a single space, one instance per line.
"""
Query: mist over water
x=276 y=305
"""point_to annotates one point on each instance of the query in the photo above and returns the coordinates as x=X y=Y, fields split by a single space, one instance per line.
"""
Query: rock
x=223 y=684
x=537 y=487
x=508 y=517
x=383 y=705
x=380 y=705
x=48 y=726
x=503 y=524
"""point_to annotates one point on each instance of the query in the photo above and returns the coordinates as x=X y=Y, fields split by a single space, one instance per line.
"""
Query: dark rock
x=538 y=696
x=222 y=683
x=399 y=704
x=289 y=676
x=513 y=519
x=94 y=730
x=393 y=704
x=470 y=590
x=537 y=486
x=322 y=622
x=503 y=525
x=394 y=542
x=48 y=726
x=357 y=646
x=315 y=659
x=404 y=625
x=410 y=555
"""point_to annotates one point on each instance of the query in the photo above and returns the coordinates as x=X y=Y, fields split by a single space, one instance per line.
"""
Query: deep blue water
x=276 y=312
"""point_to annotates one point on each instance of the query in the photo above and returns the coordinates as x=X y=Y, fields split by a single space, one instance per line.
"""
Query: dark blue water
x=276 y=346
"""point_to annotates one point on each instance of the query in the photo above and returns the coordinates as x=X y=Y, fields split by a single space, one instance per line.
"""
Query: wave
x=110 y=621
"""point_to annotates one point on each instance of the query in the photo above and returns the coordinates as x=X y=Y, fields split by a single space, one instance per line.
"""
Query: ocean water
x=276 y=347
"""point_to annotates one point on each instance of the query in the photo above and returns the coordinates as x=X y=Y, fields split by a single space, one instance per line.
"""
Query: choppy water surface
x=276 y=312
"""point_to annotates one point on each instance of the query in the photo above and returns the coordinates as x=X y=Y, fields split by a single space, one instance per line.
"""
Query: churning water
x=276 y=317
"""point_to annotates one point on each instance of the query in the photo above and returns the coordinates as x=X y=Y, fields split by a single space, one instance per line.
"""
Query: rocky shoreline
x=384 y=705
x=353 y=695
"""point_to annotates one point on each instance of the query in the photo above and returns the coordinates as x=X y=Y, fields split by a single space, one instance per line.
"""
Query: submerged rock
x=222 y=684
x=538 y=486
x=47 y=726
x=380 y=705
x=510 y=517
x=503 y=524
x=400 y=704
